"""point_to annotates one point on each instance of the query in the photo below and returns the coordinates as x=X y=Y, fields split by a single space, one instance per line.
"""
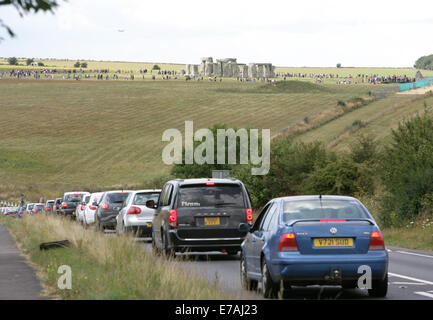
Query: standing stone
x=252 y=70
x=195 y=71
x=244 y=71
x=260 y=71
x=217 y=69
x=188 y=69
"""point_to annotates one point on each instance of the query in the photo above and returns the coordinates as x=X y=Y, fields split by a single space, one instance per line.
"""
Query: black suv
x=70 y=202
x=200 y=215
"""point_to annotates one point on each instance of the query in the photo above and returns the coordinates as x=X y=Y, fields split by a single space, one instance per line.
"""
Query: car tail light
x=376 y=241
x=288 y=242
x=104 y=206
x=64 y=205
x=172 y=218
x=92 y=207
x=134 y=210
x=54 y=207
x=249 y=213
x=210 y=183
x=82 y=207
x=35 y=211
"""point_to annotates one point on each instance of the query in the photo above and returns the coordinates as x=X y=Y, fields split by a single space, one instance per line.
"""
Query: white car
x=90 y=208
x=29 y=208
x=135 y=216
x=80 y=207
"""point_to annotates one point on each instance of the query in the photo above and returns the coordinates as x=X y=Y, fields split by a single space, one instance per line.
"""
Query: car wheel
x=246 y=283
x=379 y=288
x=155 y=248
x=168 y=252
x=269 y=288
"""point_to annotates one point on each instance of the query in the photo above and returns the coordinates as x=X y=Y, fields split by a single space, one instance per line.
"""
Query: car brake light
x=134 y=210
x=172 y=218
x=82 y=207
x=104 y=206
x=210 y=183
x=376 y=241
x=64 y=205
x=333 y=220
x=249 y=212
x=92 y=207
x=288 y=242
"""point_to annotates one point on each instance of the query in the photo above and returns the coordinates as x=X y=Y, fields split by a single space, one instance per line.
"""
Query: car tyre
x=246 y=283
x=269 y=288
x=155 y=248
x=168 y=252
x=379 y=288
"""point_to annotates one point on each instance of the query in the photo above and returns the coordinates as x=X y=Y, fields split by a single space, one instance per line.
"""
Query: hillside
x=56 y=135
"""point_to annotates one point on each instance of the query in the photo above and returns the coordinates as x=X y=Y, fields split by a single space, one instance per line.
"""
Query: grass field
x=60 y=134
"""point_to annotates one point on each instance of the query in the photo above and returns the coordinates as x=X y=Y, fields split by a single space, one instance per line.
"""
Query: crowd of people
x=348 y=79
x=105 y=74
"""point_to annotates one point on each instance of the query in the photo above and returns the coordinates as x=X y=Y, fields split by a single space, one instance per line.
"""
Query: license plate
x=149 y=224
x=214 y=221
x=333 y=242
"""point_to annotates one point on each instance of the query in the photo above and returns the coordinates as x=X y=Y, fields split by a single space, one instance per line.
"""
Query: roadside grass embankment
x=103 y=267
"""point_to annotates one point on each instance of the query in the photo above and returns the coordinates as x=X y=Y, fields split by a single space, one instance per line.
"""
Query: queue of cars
x=296 y=240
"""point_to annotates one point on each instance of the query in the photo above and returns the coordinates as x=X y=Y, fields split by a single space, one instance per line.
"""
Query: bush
x=29 y=61
x=13 y=61
x=156 y=67
x=77 y=64
x=407 y=170
x=425 y=62
x=84 y=65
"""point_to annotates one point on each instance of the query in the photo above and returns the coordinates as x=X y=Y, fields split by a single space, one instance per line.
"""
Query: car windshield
x=322 y=209
x=38 y=207
x=31 y=206
x=210 y=196
x=141 y=198
x=117 y=197
x=76 y=197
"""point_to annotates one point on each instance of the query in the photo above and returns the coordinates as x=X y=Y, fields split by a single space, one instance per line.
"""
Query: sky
x=367 y=33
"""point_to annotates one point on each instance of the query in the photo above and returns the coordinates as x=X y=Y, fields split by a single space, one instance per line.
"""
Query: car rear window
x=117 y=197
x=210 y=196
x=73 y=197
x=322 y=209
x=86 y=199
x=141 y=198
x=38 y=207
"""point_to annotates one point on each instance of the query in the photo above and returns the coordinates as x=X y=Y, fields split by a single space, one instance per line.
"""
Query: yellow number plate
x=212 y=221
x=73 y=213
x=149 y=224
x=333 y=242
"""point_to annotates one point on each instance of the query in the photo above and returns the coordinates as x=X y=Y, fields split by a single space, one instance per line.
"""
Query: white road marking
x=430 y=295
x=410 y=283
x=416 y=254
x=409 y=278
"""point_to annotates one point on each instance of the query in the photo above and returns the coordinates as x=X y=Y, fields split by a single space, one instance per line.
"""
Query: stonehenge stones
x=230 y=68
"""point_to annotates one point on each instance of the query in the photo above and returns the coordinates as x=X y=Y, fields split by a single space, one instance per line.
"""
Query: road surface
x=410 y=276
x=17 y=279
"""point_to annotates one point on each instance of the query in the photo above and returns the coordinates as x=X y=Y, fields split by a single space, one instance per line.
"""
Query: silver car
x=135 y=216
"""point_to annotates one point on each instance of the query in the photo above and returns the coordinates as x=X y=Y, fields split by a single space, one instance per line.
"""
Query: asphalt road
x=17 y=279
x=410 y=276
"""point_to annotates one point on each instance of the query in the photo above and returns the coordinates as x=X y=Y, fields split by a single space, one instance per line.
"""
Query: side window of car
x=260 y=218
x=169 y=195
x=269 y=217
x=274 y=220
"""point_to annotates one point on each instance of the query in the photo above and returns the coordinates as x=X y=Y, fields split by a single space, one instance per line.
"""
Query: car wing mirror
x=244 y=228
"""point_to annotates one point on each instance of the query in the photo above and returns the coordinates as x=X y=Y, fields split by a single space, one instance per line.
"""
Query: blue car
x=314 y=240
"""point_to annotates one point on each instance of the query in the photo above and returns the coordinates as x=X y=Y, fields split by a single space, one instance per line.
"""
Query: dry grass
x=105 y=267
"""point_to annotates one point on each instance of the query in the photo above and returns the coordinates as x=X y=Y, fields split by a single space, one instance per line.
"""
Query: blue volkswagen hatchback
x=313 y=240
